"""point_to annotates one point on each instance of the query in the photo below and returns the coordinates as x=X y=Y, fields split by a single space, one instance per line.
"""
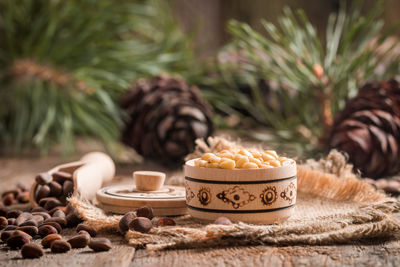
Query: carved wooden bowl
x=261 y=196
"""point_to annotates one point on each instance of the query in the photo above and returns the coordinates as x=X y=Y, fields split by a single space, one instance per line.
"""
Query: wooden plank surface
x=14 y=170
x=119 y=255
x=381 y=254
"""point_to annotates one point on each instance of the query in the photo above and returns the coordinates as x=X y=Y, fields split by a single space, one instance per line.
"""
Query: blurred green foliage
x=64 y=64
x=290 y=80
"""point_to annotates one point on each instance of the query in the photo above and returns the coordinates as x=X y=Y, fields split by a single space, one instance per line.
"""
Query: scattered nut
x=59 y=213
x=83 y=232
x=42 y=191
x=222 y=221
x=23 y=197
x=55 y=189
x=22 y=218
x=39 y=219
x=86 y=228
x=60 y=246
x=125 y=221
x=18 y=239
x=79 y=241
x=14 y=192
x=100 y=244
x=38 y=209
x=11 y=221
x=44 y=215
x=73 y=219
x=68 y=188
x=8 y=199
x=30 y=230
x=62 y=222
x=5 y=235
x=48 y=240
x=10 y=227
x=3 y=210
x=43 y=178
x=61 y=208
x=3 y=222
x=52 y=203
x=141 y=224
x=146 y=212
x=31 y=251
x=61 y=177
x=45 y=230
x=55 y=225
x=165 y=221
x=13 y=213
x=30 y=222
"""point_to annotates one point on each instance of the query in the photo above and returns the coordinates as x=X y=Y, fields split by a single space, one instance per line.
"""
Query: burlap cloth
x=333 y=207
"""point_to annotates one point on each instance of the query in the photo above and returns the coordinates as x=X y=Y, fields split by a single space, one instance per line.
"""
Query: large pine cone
x=368 y=129
x=166 y=116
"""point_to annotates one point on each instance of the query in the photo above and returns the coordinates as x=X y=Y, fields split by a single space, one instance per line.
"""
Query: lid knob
x=148 y=180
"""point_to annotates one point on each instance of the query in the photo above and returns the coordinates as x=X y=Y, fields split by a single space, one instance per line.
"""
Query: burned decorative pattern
x=236 y=196
x=204 y=196
x=189 y=193
x=289 y=194
x=269 y=195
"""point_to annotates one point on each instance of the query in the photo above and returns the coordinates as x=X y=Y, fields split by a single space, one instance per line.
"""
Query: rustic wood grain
x=12 y=171
x=119 y=255
x=386 y=254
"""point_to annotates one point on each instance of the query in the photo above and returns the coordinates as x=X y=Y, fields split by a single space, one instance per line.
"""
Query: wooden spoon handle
x=98 y=169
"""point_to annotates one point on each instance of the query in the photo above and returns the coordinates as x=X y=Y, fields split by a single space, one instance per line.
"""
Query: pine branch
x=309 y=76
x=63 y=65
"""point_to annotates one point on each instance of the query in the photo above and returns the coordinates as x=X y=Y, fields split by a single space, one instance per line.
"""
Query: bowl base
x=253 y=218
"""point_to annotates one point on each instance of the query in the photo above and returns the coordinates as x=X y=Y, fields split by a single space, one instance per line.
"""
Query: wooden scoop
x=88 y=174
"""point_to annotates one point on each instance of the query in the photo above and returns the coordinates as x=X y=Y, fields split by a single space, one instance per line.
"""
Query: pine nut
x=256 y=161
x=241 y=162
x=206 y=156
x=250 y=165
x=245 y=153
x=267 y=157
x=214 y=159
x=212 y=165
x=275 y=163
x=272 y=153
x=226 y=155
x=227 y=164
x=202 y=163
x=255 y=154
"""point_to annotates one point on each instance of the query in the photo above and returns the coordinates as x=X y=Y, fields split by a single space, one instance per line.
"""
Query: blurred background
x=144 y=79
x=209 y=17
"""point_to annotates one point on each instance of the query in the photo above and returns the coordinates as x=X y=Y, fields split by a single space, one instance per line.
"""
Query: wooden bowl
x=262 y=196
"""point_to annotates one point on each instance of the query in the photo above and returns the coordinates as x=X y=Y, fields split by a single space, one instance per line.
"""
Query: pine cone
x=368 y=129
x=166 y=116
x=389 y=185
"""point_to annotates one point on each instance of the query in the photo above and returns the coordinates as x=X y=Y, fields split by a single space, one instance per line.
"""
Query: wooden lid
x=149 y=180
x=168 y=201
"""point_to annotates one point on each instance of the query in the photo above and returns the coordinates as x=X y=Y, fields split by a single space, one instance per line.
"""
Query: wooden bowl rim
x=259 y=174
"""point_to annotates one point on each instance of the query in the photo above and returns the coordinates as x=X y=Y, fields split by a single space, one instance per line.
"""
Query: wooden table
x=377 y=253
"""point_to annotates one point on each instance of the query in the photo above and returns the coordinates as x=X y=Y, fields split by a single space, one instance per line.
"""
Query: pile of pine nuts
x=242 y=159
